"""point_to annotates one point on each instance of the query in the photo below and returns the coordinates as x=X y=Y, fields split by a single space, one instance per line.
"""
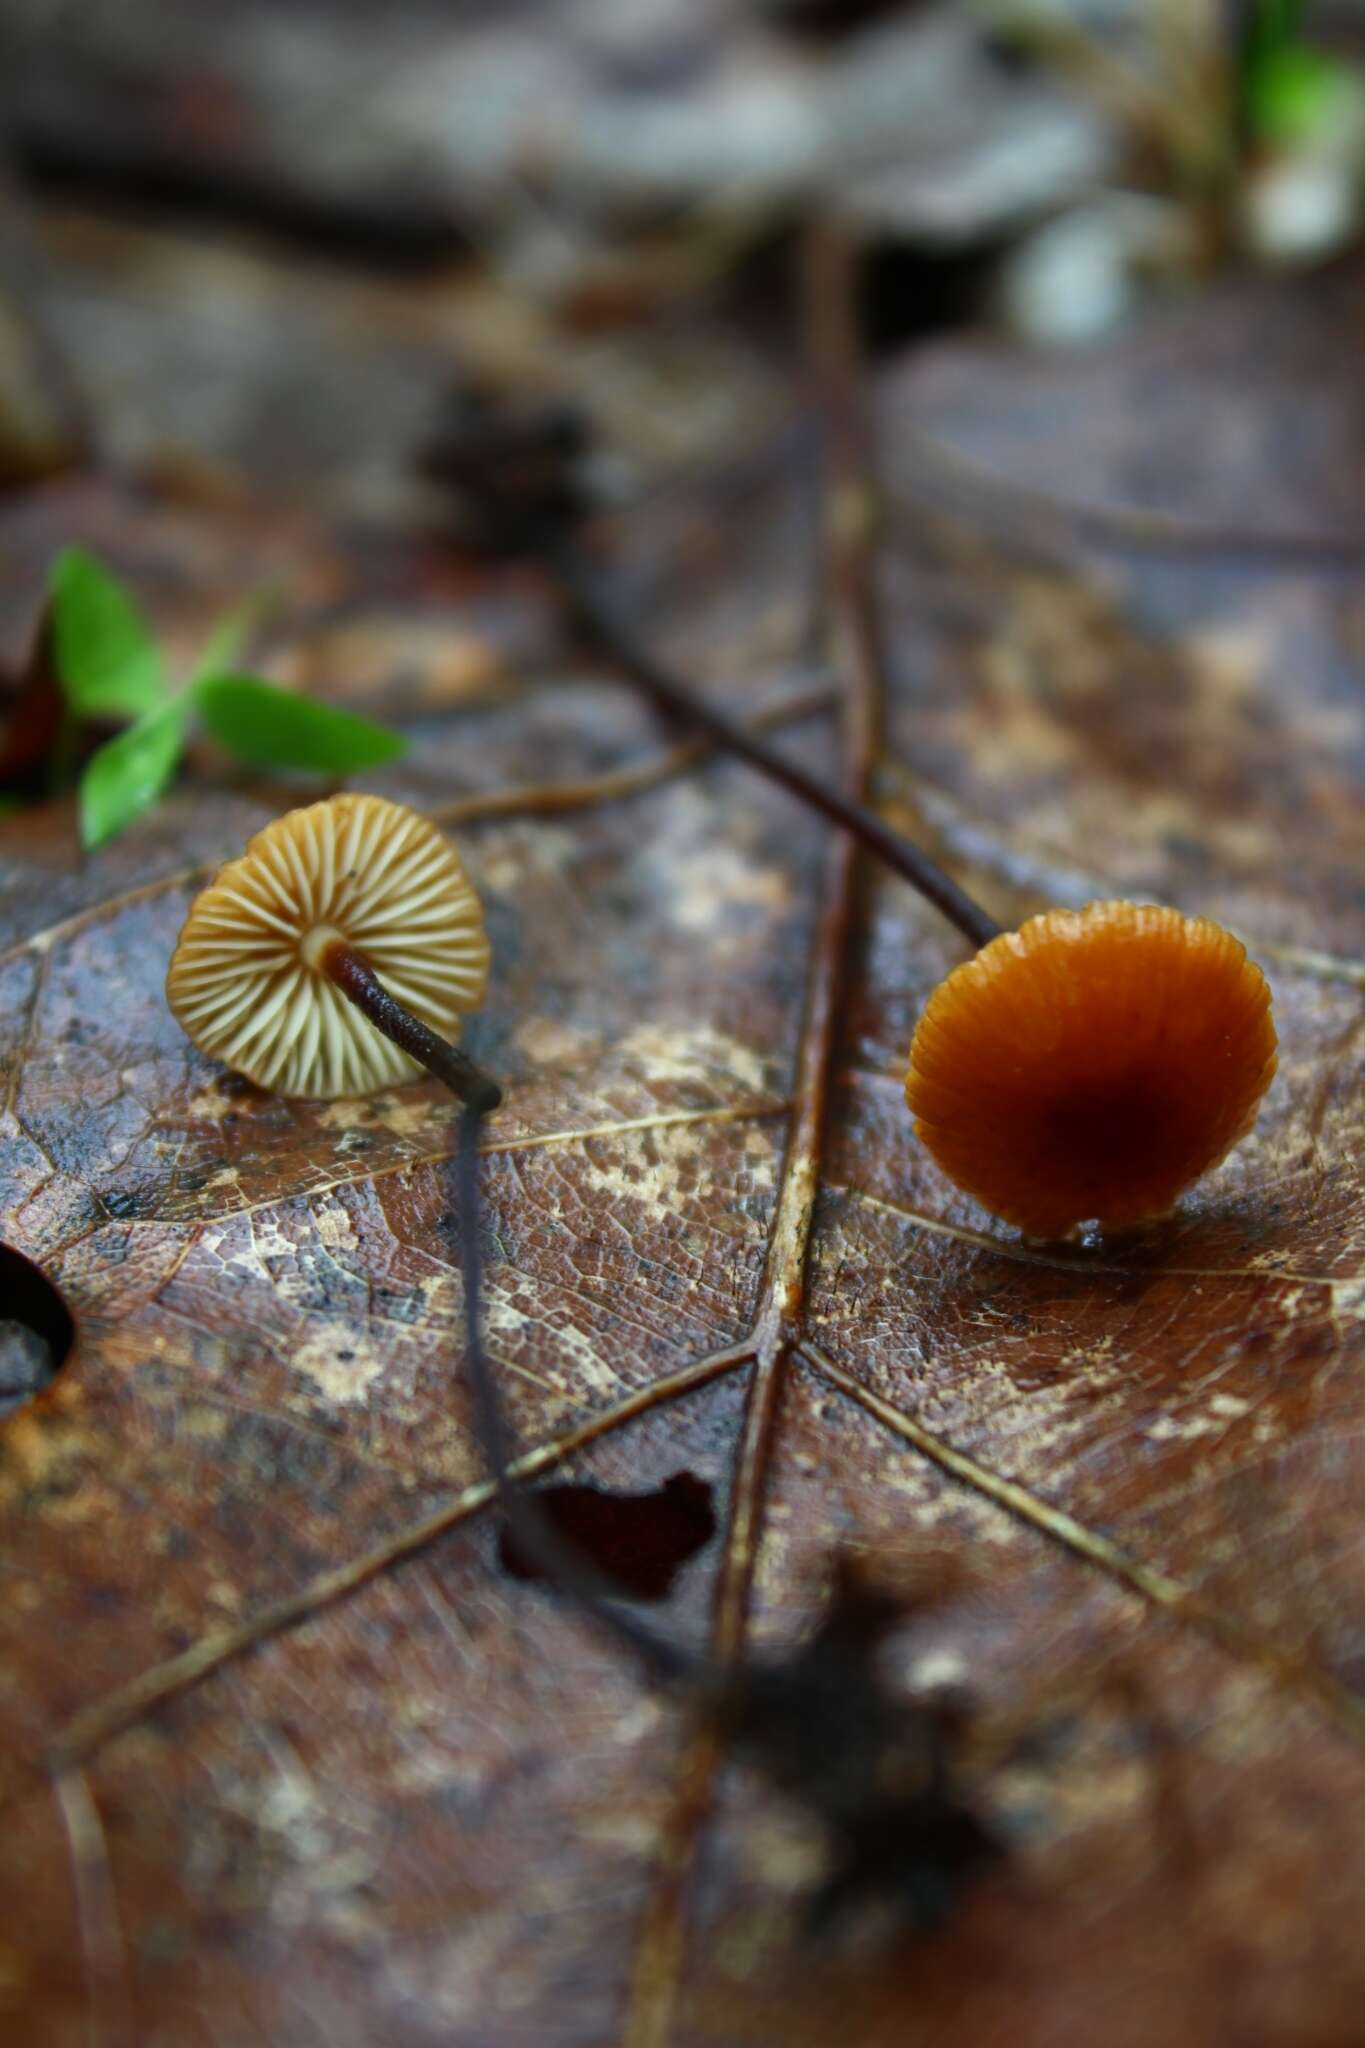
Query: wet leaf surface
x=289 y=1755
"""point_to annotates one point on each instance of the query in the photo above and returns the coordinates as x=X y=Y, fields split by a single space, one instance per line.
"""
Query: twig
x=788 y=1720
x=520 y=476
x=596 y=617
x=104 y=1954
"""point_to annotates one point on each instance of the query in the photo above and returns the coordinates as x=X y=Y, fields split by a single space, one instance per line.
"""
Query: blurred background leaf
x=1290 y=86
x=274 y=728
x=107 y=660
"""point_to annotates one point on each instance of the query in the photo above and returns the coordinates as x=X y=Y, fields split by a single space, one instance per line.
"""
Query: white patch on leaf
x=700 y=1054
x=342 y=1362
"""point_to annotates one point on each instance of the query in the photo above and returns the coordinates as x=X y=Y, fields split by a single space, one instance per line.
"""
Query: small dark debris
x=879 y=1771
x=641 y=1541
x=518 y=477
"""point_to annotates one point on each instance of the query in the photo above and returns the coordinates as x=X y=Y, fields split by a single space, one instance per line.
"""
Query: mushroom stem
x=479 y=1092
x=348 y=971
x=595 y=618
x=595 y=1594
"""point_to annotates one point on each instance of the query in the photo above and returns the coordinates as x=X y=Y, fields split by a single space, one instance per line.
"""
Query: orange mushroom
x=1091 y=1065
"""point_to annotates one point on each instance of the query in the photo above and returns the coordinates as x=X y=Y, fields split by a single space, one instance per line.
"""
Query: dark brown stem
x=561 y=1563
x=345 y=967
x=594 y=616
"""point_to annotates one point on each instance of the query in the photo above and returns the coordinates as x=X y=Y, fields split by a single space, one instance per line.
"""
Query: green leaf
x=106 y=658
x=229 y=635
x=128 y=773
x=1294 y=91
x=273 y=728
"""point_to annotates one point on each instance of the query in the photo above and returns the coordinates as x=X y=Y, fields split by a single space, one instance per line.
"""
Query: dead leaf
x=316 y=1766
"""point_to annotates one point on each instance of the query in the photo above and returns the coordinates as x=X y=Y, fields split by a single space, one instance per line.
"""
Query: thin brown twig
x=594 y=614
x=849 y=537
x=103 y=1952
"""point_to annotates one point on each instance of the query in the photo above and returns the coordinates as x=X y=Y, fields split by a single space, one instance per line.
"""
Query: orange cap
x=1092 y=1064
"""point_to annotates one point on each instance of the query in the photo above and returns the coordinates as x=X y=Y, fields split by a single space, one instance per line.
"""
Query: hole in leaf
x=641 y=1540
x=36 y=1330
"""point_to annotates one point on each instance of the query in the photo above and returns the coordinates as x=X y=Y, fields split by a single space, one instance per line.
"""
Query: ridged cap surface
x=246 y=980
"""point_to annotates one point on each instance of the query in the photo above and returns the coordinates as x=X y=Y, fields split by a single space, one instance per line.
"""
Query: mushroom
x=1092 y=1064
x=337 y=955
x=327 y=961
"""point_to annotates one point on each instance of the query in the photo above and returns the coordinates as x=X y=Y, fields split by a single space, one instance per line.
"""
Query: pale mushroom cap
x=246 y=979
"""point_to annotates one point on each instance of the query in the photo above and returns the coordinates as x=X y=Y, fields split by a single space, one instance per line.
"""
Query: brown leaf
x=317 y=1767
